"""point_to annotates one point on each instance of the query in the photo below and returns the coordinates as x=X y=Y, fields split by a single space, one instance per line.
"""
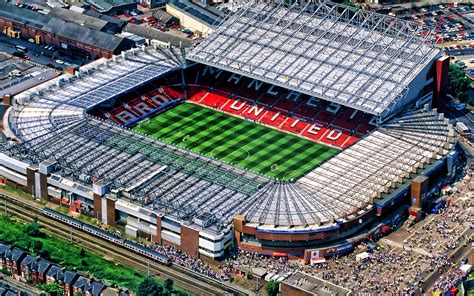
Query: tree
x=36 y=246
x=79 y=293
x=168 y=287
x=82 y=253
x=53 y=289
x=149 y=287
x=33 y=230
x=249 y=275
x=273 y=288
x=459 y=84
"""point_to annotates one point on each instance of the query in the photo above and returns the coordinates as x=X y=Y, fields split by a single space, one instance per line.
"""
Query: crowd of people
x=442 y=233
x=386 y=271
x=402 y=269
x=274 y=265
x=448 y=280
x=191 y=262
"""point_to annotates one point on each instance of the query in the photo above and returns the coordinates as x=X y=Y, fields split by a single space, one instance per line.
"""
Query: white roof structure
x=50 y=123
x=349 y=183
x=351 y=57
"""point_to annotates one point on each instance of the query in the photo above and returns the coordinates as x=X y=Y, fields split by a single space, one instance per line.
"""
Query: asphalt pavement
x=35 y=52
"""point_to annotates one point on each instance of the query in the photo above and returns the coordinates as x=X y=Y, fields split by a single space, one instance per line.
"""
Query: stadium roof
x=348 y=183
x=50 y=123
x=352 y=57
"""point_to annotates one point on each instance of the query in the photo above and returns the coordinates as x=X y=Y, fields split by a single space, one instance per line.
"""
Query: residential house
x=3 y=250
x=14 y=260
x=69 y=278
x=32 y=269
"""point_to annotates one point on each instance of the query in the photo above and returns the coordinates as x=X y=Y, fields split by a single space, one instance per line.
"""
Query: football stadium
x=292 y=130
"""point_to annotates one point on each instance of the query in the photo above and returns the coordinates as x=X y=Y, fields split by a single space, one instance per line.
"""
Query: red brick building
x=47 y=29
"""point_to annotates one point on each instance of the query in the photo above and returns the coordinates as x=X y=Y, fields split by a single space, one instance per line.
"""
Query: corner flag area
x=236 y=141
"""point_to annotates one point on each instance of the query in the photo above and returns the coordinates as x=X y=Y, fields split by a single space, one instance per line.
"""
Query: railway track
x=180 y=275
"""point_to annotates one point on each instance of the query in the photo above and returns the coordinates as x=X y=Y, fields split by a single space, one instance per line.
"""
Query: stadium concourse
x=69 y=139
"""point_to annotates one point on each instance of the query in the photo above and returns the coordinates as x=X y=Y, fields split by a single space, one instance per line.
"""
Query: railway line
x=180 y=275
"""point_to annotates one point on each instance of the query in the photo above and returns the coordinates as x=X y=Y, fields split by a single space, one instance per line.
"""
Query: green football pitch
x=236 y=141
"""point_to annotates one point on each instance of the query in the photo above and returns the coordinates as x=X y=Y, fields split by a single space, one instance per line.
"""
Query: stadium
x=290 y=131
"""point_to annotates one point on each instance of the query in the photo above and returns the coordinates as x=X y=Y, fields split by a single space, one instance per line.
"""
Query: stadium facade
x=58 y=149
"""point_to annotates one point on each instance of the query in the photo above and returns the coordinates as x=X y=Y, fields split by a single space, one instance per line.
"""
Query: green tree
x=249 y=275
x=273 y=288
x=459 y=84
x=82 y=253
x=53 y=289
x=36 y=246
x=149 y=287
x=33 y=230
x=168 y=287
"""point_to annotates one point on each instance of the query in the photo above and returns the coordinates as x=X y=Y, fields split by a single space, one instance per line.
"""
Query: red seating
x=121 y=116
x=267 y=100
x=235 y=106
x=344 y=119
x=172 y=93
x=273 y=118
x=364 y=127
x=294 y=125
x=140 y=107
x=285 y=105
x=351 y=140
x=249 y=93
x=198 y=95
x=314 y=131
x=255 y=112
x=306 y=116
x=335 y=137
x=324 y=117
x=214 y=100
x=306 y=111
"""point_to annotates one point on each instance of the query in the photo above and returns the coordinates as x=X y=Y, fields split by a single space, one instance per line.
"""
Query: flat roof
x=207 y=16
x=106 y=5
x=352 y=57
x=60 y=27
x=78 y=18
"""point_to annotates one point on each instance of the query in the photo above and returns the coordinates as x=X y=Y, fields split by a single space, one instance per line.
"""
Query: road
x=18 y=286
x=8 y=45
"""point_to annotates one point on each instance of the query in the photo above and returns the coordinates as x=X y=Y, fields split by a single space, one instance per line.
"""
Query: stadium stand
x=279 y=108
x=325 y=51
x=145 y=106
x=306 y=77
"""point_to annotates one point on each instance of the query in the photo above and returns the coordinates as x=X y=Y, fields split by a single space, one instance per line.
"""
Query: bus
x=21 y=48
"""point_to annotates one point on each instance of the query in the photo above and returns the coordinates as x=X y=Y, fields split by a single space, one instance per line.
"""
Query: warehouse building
x=193 y=16
x=48 y=29
x=112 y=7
x=88 y=21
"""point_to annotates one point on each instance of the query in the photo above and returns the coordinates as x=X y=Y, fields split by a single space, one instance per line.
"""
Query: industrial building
x=48 y=29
